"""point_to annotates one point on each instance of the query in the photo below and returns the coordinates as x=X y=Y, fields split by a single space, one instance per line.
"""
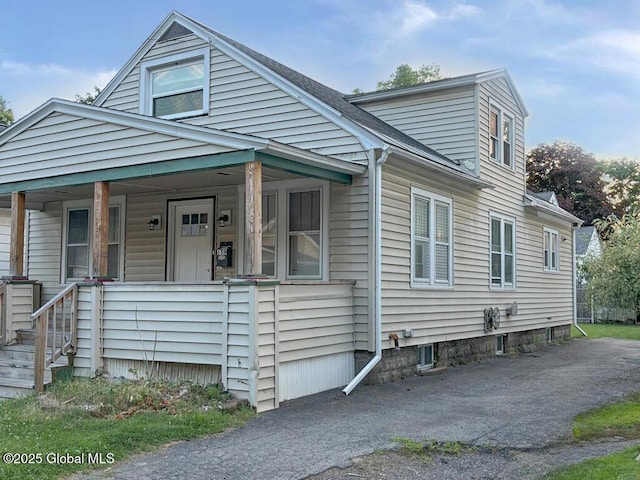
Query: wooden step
x=17 y=352
x=13 y=388
x=28 y=337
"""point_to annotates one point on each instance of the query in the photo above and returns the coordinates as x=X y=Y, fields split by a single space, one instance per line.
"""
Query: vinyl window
x=551 y=250
x=503 y=251
x=501 y=137
x=432 y=239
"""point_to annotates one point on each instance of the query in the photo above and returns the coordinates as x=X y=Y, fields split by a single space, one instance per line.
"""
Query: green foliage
x=622 y=177
x=611 y=330
x=427 y=448
x=619 y=420
x=613 y=279
x=405 y=76
x=619 y=466
x=575 y=177
x=88 y=97
x=74 y=418
x=6 y=114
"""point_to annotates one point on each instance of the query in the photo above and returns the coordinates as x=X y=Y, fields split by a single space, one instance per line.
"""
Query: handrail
x=3 y=322
x=59 y=317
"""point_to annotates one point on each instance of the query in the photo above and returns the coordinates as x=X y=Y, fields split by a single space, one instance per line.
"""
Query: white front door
x=191 y=242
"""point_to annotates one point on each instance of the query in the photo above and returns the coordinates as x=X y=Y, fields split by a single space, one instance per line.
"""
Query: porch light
x=223 y=219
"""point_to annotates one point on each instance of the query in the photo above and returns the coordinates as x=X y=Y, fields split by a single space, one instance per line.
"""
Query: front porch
x=264 y=340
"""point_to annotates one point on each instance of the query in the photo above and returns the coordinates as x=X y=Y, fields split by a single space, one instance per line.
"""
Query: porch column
x=100 y=229
x=253 y=218
x=17 y=234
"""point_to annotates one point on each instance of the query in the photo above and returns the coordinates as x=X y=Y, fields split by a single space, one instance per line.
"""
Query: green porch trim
x=298 y=168
x=147 y=170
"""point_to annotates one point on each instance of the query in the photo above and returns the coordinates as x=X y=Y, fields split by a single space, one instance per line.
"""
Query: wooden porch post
x=253 y=219
x=17 y=234
x=100 y=229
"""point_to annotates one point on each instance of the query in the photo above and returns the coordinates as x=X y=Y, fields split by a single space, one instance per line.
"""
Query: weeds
x=427 y=448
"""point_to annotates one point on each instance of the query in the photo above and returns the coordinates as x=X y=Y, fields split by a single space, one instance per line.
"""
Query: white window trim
x=549 y=268
x=282 y=189
x=502 y=112
x=117 y=201
x=146 y=67
x=431 y=282
x=503 y=219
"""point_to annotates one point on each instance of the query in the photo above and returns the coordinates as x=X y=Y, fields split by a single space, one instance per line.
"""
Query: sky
x=576 y=63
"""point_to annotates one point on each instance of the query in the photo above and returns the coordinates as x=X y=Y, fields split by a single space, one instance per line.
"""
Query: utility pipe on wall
x=378 y=273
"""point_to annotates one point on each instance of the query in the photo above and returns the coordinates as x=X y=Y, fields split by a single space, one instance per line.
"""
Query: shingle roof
x=339 y=102
x=583 y=239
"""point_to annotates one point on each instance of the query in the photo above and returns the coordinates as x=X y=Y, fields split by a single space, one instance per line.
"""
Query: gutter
x=377 y=303
x=575 y=298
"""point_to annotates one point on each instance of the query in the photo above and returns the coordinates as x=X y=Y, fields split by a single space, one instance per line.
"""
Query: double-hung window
x=176 y=86
x=77 y=235
x=551 y=250
x=503 y=251
x=304 y=233
x=501 y=137
x=431 y=239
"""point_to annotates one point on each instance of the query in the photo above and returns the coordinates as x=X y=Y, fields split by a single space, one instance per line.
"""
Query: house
x=219 y=216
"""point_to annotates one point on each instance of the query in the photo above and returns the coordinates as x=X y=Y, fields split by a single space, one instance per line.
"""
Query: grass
x=619 y=466
x=621 y=419
x=613 y=330
x=427 y=448
x=81 y=417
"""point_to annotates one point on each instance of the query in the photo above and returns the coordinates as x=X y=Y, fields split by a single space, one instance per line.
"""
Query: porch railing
x=56 y=331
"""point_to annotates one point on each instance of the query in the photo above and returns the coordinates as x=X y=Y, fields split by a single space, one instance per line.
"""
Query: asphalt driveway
x=524 y=402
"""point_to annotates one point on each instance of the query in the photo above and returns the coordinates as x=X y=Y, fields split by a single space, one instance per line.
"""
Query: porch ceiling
x=213 y=178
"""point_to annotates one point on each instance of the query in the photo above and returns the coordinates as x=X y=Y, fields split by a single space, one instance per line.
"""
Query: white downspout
x=575 y=294
x=377 y=306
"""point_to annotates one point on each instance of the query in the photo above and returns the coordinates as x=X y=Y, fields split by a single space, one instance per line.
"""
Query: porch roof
x=206 y=148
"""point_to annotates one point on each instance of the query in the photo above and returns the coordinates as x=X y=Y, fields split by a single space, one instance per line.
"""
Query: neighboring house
x=267 y=232
x=588 y=243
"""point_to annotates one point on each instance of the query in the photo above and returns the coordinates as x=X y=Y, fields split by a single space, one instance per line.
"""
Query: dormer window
x=176 y=86
x=501 y=137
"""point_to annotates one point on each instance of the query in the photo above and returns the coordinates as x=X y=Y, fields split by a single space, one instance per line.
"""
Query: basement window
x=548 y=332
x=500 y=340
x=425 y=356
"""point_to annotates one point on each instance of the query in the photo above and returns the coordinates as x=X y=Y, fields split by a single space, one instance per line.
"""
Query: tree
x=613 y=279
x=622 y=184
x=88 y=97
x=405 y=76
x=575 y=177
x=6 y=114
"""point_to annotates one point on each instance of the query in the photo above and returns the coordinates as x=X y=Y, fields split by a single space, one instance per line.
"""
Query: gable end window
x=431 y=239
x=503 y=252
x=176 y=86
x=501 y=137
x=551 y=250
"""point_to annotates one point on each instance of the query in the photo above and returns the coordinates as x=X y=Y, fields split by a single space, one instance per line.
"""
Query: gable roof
x=538 y=202
x=371 y=131
x=583 y=239
x=549 y=197
x=445 y=83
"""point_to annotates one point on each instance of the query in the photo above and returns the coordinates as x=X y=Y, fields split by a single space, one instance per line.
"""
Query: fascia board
x=296 y=154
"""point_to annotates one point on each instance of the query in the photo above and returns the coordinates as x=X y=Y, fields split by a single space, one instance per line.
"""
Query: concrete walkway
x=524 y=402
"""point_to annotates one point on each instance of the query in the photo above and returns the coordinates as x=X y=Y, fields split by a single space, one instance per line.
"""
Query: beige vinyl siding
x=63 y=144
x=443 y=120
x=316 y=337
x=44 y=248
x=146 y=323
x=267 y=349
x=349 y=248
x=242 y=101
x=439 y=314
x=145 y=249
x=125 y=96
x=82 y=357
x=509 y=182
x=5 y=240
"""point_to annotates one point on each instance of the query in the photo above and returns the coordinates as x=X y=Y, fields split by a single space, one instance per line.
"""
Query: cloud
x=26 y=86
x=412 y=17
x=612 y=50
